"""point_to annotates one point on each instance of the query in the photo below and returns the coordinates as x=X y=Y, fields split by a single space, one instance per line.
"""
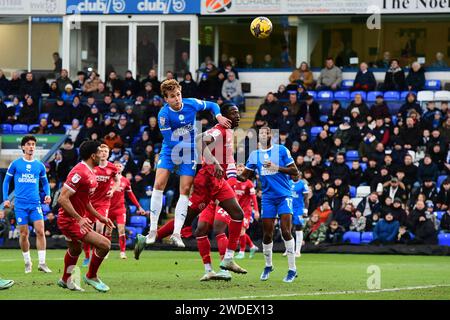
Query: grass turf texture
x=175 y=275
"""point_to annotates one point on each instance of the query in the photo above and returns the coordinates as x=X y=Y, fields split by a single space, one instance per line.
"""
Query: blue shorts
x=272 y=208
x=28 y=213
x=183 y=169
x=297 y=217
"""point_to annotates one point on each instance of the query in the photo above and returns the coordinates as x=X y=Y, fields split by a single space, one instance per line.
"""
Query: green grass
x=175 y=275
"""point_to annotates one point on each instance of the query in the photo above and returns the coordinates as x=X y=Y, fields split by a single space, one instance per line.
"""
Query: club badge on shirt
x=76 y=177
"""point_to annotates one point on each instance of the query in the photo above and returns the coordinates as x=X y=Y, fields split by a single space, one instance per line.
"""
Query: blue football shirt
x=298 y=188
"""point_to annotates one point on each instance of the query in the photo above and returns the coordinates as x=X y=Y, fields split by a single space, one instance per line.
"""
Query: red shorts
x=118 y=217
x=208 y=188
x=214 y=212
x=103 y=211
x=70 y=228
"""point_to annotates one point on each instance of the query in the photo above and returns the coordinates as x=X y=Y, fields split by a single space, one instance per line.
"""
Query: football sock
x=123 y=243
x=155 y=208
x=95 y=263
x=290 y=244
x=222 y=242
x=204 y=248
x=166 y=230
x=180 y=213
x=249 y=241
x=267 y=251
x=87 y=250
x=242 y=243
x=298 y=241
x=26 y=256
x=208 y=267
x=234 y=232
x=69 y=263
x=41 y=255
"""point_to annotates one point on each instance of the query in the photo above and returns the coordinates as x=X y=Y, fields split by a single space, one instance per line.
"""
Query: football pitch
x=172 y=275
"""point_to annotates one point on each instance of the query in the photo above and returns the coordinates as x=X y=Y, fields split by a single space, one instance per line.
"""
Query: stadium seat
x=142 y=129
x=324 y=118
x=391 y=96
x=138 y=221
x=441 y=179
x=355 y=201
x=404 y=94
x=432 y=84
x=43 y=115
x=67 y=127
x=45 y=208
x=442 y=96
x=425 y=96
x=352 y=192
x=351 y=155
x=349 y=164
x=366 y=237
x=333 y=129
x=6 y=128
x=315 y=131
x=1 y=241
x=347 y=84
x=139 y=230
x=313 y=94
x=363 y=166
x=439 y=214
x=352 y=237
x=132 y=209
x=132 y=231
x=136 y=161
x=362 y=93
x=372 y=95
x=362 y=191
x=444 y=239
x=20 y=128
x=32 y=126
x=394 y=120
x=325 y=95
x=342 y=95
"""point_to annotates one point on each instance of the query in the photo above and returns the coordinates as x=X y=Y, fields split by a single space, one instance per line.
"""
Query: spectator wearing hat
x=356 y=174
x=394 y=79
x=148 y=91
x=410 y=104
x=410 y=134
x=285 y=121
x=133 y=119
x=415 y=81
x=398 y=212
x=59 y=110
x=116 y=152
x=79 y=83
x=359 y=104
x=423 y=228
x=365 y=79
x=367 y=147
x=74 y=130
x=429 y=211
x=188 y=86
x=302 y=93
x=68 y=93
x=394 y=189
x=427 y=170
x=310 y=111
x=113 y=112
x=427 y=189
x=336 y=114
x=303 y=143
x=343 y=133
x=369 y=205
x=153 y=108
x=63 y=80
x=124 y=130
x=357 y=132
x=336 y=148
x=330 y=77
x=94 y=115
x=380 y=109
x=386 y=230
x=57 y=127
x=379 y=180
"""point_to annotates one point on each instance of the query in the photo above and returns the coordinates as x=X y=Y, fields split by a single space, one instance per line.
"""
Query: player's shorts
x=70 y=228
x=103 y=211
x=208 y=188
x=119 y=217
x=297 y=220
x=28 y=213
x=273 y=208
x=213 y=212
x=183 y=169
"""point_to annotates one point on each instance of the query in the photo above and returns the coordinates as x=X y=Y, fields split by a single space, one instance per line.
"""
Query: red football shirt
x=246 y=195
x=118 y=202
x=82 y=181
x=105 y=176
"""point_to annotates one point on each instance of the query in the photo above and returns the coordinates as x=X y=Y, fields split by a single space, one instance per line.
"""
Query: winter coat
x=318 y=235
x=329 y=77
x=358 y=224
x=416 y=79
x=386 y=231
x=394 y=80
x=365 y=81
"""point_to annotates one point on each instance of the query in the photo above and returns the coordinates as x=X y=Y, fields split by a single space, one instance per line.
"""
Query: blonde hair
x=104 y=146
x=168 y=86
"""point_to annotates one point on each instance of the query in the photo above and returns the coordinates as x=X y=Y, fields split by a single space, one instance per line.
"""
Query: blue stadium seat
x=67 y=127
x=133 y=232
x=132 y=209
x=138 y=221
x=404 y=94
x=362 y=93
x=136 y=161
x=139 y=230
x=391 y=95
x=444 y=239
x=372 y=95
x=394 y=120
x=313 y=94
x=315 y=131
x=439 y=214
x=352 y=237
x=6 y=128
x=1 y=241
x=432 y=84
x=325 y=95
x=20 y=128
x=32 y=126
x=349 y=164
x=366 y=237
x=45 y=208
x=43 y=115
x=342 y=95
x=351 y=155
x=352 y=192
x=441 y=179
x=363 y=166
x=142 y=129
x=347 y=84
x=333 y=129
x=324 y=118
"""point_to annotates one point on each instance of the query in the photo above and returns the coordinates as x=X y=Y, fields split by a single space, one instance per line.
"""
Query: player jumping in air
x=75 y=201
x=117 y=211
x=27 y=172
x=210 y=185
x=246 y=194
x=108 y=179
x=274 y=164
x=300 y=201
x=177 y=124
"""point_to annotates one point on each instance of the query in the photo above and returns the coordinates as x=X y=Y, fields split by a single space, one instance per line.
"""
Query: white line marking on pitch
x=14 y=260
x=333 y=292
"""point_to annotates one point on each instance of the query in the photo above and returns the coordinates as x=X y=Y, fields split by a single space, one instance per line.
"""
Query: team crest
x=162 y=121
x=76 y=178
x=266 y=156
x=108 y=172
x=181 y=117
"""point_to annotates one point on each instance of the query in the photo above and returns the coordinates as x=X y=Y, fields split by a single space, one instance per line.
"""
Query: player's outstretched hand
x=141 y=211
x=47 y=200
x=218 y=171
x=224 y=122
x=85 y=225
x=7 y=204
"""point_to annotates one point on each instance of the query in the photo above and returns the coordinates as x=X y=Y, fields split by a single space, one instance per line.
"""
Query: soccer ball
x=261 y=27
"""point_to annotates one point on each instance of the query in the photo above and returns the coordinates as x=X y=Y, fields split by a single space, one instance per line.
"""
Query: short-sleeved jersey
x=274 y=184
x=299 y=188
x=118 y=199
x=83 y=182
x=222 y=151
x=181 y=123
x=244 y=193
x=26 y=176
x=105 y=175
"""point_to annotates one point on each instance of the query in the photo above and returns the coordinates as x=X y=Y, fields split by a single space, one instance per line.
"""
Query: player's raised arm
x=215 y=109
x=64 y=202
